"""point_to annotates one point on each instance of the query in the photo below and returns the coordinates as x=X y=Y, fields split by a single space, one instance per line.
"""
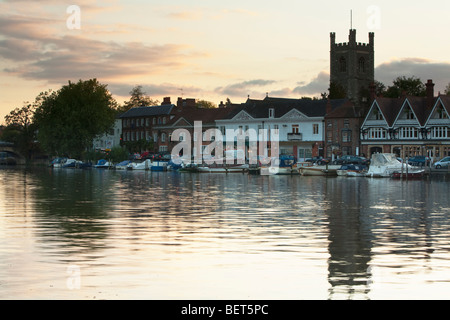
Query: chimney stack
x=166 y=101
x=430 y=93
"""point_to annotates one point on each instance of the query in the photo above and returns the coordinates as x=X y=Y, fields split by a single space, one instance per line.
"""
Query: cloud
x=34 y=51
x=244 y=88
x=155 y=90
x=421 y=68
x=316 y=86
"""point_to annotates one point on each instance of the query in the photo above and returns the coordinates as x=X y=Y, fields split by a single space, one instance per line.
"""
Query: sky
x=208 y=49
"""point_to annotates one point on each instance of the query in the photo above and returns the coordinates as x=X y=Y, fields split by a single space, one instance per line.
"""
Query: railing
x=294 y=137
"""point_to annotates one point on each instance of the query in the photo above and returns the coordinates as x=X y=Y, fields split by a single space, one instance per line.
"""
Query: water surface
x=98 y=234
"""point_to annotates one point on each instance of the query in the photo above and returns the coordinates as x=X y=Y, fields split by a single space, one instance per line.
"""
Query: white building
x=298 y=122
x=111 y=139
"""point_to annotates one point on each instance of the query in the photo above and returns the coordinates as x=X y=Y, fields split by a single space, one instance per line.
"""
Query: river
x=103 y=234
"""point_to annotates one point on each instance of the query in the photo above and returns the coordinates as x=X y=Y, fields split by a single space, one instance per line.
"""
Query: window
x=164 y=120
x=271 y=113
x=295 y=128
x=163 y=137
x=346 y=135
x=154 y=120
x=315 y=128
x=342 y=64
x=329 y=136
x=346 y=123
x=377 y=133
x=440 y=132
x=362 y=65
x=408 y=133
x=147 y=122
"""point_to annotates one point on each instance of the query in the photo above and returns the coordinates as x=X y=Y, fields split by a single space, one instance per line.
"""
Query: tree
x=447 y=90
x=21 y=130
x=69 y=119
x=203 y=104
x=336 y=91
x=138 y=99
x=411 y=86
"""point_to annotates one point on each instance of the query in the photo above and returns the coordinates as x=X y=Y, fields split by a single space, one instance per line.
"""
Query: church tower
x=352 y=66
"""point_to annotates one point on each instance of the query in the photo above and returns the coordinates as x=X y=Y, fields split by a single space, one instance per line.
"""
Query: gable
x=294 y=114
x=182 y=122
x=375 y=116
x=242 y=116
x=439 y=114
x=406 y=115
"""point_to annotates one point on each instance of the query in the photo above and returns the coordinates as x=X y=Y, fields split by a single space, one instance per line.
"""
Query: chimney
x=180 y=104
x=222 y=105
x=166 y=101
x=430 y=93
x=328 y=107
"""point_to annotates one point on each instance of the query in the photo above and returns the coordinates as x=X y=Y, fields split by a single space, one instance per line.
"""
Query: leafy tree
x=21 y=130
x=336 y=91
x=447 y=90
x=69 y=119
x=203 y=104
x=411 y=86
x=138 y=99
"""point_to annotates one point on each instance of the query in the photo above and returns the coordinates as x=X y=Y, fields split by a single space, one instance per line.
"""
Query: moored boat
x=223 y=168
x=144 y=165
x=383 y=165
x=122 y=165
x=327 y=171
x=415 y=174
x=352 y=170
x=102 y=164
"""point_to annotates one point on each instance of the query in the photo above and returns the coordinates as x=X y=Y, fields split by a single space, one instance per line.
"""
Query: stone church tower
x=352 y=66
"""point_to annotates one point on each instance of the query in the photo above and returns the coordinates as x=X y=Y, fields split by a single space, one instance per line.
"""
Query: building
x=408 y=126
x=111 y=139
x=352 y=66
x=184 y=116
x=298 y=122
x=138 y=123
x=342 y=128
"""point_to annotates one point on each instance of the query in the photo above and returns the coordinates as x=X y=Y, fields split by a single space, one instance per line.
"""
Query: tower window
x=342 y=64
x=362 y=65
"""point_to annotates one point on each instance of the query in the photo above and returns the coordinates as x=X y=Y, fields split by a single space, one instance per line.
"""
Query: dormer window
x=271 y=113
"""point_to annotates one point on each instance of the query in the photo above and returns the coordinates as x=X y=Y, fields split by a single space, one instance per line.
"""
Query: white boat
x=144 y=165
x=102 y=164
x=383 y=165
x=122 y=165
x=352 y=170
x=224 y=169
x=327 y=171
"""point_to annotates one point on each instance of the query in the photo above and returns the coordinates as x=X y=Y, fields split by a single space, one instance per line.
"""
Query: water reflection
x=170 y=235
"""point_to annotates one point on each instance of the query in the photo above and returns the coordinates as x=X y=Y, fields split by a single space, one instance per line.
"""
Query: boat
x=352 y=170
x=122 y=165
x=191 y=168
x=102 y=164
x=144 y=165
x=327 y=170
x=58 y=162
x=159 y=165
x=416 y=174
x=287 y=165
x=69 y=163
x=83 y=165
x=223 y=168
x=383 y=165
